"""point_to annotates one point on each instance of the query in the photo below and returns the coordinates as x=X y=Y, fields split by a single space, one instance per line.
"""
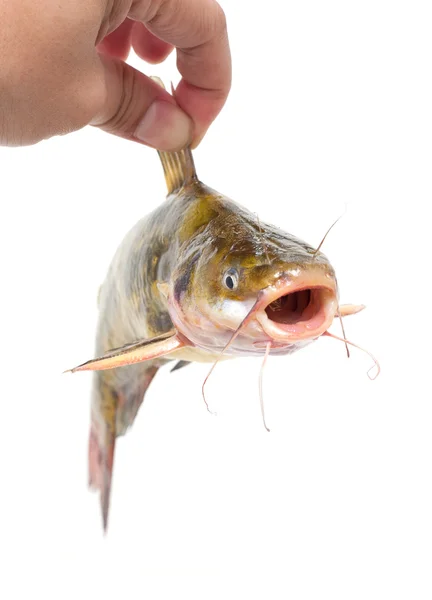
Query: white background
x=331 y=104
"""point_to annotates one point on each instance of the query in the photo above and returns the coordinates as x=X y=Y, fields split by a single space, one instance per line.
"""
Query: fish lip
x=290 y=333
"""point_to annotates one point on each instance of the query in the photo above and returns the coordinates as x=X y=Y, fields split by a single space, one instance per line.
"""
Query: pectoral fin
x=134 y=353
x=350 y=309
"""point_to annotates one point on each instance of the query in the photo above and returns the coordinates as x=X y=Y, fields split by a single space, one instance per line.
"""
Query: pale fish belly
x=198 y=355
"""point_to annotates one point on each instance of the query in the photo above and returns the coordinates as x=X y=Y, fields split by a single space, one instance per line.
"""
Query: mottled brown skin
x=187 y=243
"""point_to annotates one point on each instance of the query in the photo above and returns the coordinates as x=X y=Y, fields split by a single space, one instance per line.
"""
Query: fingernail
x=165 y=127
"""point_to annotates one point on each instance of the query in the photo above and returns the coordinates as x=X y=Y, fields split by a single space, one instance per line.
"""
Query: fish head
x=255 y=283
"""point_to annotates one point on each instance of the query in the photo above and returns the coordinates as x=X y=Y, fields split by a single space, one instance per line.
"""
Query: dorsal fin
x=179 y=168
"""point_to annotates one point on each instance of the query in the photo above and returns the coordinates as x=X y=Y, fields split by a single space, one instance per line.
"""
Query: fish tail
x=101 y=461
x=102 y=442
x=116 y=402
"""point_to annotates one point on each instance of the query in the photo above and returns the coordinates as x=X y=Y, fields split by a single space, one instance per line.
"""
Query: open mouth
x=294 y=307
x=299 y=313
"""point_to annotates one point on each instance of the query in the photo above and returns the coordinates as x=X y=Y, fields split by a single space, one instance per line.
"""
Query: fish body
x=197 y=278
x=169 y=271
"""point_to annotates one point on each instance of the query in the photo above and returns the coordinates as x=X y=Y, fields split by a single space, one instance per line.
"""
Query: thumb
x=135 y=107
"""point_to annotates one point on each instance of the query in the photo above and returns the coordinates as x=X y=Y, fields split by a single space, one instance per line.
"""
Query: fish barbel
x=198 y=276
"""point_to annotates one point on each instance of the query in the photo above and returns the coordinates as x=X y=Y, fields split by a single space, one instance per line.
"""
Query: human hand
x=62 y=67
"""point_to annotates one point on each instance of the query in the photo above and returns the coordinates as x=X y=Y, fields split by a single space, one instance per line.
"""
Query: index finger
x=197 y=28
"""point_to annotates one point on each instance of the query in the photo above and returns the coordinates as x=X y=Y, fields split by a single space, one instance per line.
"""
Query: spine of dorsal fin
x=179 y=169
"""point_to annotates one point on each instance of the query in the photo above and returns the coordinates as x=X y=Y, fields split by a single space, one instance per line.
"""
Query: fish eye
x=231 y=279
